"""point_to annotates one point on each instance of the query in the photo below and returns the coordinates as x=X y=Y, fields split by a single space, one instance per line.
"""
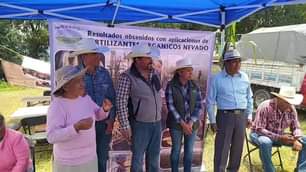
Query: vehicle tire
x=261 y=95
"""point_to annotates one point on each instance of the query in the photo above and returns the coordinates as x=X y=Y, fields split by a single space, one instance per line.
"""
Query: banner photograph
x=174 y=49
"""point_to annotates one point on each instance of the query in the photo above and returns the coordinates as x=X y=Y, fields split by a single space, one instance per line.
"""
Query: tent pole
x=18 y=15
x=222 y=30
x=76 y=7
x=116 y=12
x=69 y=17
x=142 y=21
x=193 y=21
x=18 y=7
x=143 y=11
x=197 y=13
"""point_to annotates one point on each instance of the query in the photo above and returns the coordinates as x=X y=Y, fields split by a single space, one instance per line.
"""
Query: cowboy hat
x=89 y=46
x=144 y=50
x=183 y=63
x=289 y=95
x=231 y=54
x=65 y=74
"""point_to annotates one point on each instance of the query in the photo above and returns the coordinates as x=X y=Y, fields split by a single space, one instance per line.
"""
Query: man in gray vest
x=139 y=108
x=230 y=90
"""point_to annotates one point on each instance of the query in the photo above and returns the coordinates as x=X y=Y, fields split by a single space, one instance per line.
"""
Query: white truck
x=276 y=57
x=267 y=76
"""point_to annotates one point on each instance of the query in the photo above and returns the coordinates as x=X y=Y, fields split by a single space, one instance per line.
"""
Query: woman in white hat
x=70 y=123
x=183 y=98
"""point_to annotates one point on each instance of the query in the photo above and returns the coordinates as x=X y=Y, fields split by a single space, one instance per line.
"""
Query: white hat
x=89 y=46
x=231 y=54
x=289 y=95
x=65 y=74
x=144 y=50
x=183 y=63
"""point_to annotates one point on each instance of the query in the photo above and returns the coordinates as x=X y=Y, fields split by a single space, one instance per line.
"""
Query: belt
x=233 y=111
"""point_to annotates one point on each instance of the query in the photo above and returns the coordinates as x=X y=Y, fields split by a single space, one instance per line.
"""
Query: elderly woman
x=70 y=123
x=14 y=150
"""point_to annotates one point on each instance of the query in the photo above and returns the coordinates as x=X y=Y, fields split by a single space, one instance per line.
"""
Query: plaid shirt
x=271 y=122
x=185 y=90
x=123 y=94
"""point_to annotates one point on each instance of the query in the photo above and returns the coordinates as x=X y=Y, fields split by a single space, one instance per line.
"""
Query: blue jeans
x=103 y=145
x=265 y=151
x=176 y=138
x=146 y=139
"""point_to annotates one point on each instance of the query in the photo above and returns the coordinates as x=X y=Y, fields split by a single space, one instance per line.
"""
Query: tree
x=23 y=37
x=273 y=16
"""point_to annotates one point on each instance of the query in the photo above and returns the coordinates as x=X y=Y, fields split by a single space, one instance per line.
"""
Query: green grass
x=11 y=99
x=287 y=156
x=6 y=87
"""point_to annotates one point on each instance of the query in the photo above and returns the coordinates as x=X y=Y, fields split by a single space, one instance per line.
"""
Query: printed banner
x=68 y=36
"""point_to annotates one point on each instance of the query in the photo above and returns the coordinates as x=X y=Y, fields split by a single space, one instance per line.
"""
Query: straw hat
x=231 y=54
x=65 y=74
x=289 y=95
x=183 y=63
x=89 y=46
x=144 y=50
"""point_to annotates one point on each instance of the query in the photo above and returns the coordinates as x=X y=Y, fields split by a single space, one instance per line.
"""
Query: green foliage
x=4 y=87
x=19 y=37
x=274 y=16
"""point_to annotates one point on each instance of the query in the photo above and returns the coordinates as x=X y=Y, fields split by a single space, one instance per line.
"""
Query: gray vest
x=145 y=99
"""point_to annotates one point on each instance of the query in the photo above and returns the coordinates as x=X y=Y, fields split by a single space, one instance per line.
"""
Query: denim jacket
x=100 y=86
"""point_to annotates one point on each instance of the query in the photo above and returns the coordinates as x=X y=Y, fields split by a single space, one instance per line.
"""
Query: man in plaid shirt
x=139 y=108
x=272 y=118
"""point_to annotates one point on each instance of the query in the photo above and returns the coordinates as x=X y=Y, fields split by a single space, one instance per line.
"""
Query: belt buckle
x=237 y=112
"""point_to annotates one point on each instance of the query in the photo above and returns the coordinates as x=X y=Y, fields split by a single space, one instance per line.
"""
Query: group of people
x=85 y=105
x=231 y=93
x=82 y=114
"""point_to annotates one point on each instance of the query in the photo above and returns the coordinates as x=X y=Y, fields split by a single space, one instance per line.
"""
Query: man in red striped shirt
x=272 y=118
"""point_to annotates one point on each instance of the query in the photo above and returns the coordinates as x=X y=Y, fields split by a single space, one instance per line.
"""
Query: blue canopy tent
x=215 y=13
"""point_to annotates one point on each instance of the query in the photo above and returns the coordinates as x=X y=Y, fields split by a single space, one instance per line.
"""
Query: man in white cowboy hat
x=98 y=85
x=183 y=98
x=272 y=118
x=231 y=92
x=139 y=108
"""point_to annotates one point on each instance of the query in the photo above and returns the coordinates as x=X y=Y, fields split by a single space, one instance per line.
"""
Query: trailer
x=276 y=57
x=268 y=76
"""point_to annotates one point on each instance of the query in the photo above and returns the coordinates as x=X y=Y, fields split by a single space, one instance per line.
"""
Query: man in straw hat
x=231 y=92
x=99 y=85
x=139 y=108
x=272 y=118
x=183 y=98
